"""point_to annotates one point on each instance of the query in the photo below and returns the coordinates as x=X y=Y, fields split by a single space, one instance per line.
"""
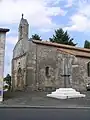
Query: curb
x=43 y=107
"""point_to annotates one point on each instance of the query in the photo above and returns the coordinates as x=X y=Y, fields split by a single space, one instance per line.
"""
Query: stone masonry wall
x=80 y=76
x=31 y=66
x=40 y=56
x=15 y=65
x=46 y=57
x=49 y=57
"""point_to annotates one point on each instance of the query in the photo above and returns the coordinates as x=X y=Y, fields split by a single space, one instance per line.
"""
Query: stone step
x=64 y=93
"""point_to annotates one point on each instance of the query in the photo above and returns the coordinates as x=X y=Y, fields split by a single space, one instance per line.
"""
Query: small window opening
x=19 y=70
x=88 y=69
x=47 y=71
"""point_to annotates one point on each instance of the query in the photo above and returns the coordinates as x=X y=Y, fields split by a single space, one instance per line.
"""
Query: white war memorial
x=2 y=54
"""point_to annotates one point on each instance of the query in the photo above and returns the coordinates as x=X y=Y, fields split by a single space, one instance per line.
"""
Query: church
x=46 y=66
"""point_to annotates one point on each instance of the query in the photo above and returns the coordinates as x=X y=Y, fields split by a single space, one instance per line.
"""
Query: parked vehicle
x=88 y=86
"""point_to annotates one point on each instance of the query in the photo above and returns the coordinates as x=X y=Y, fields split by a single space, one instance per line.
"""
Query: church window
x=19 y=70
x=47 y=71
x=88 y=69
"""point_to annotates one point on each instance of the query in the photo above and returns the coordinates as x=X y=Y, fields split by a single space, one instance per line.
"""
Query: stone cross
x=66 y=75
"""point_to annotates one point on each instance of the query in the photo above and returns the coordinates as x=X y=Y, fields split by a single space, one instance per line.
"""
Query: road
x=44 y=114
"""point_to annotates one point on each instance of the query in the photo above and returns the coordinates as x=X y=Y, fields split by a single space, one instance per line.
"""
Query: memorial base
x=1 y=99
x=64 y=93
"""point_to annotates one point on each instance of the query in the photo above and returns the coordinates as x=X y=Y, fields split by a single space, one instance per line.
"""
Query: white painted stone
x=64 y=93
x=2 y=54
x=1 y=99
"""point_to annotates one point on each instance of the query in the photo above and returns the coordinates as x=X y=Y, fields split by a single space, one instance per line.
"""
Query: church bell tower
x=23 y=29
x=23 y=34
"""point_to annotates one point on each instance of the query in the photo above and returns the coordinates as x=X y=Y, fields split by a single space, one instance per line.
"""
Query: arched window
x=88 y=69
x=47 y=71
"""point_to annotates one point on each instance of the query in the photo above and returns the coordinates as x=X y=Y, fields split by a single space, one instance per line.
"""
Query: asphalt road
x=44 y=114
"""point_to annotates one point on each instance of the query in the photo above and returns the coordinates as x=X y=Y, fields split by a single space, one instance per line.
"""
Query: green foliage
x=8 y=80
x=87 y=44
x=62 y=37
x=36 y=37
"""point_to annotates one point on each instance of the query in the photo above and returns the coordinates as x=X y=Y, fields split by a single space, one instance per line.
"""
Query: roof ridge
x=61 y=45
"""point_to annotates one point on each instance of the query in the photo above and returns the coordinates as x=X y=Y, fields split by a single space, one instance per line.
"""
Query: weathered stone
x=35 y=57
x=2 y=54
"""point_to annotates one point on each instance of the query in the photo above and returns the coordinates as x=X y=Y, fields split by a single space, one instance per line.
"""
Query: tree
x=87 y=44
x=8 y=80
x=36 y=37
x=62 y=37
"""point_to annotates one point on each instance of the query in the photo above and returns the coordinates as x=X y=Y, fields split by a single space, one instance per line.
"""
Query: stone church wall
x=46 y=57
x=80 y=74
x=15 y=66
x=49 y=57
x=31 y=66
x=41 y=57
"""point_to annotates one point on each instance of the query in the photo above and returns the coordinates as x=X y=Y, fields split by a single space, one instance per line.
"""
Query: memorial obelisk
x=2 y=54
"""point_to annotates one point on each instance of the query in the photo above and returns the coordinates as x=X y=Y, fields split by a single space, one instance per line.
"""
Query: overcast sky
x=44 y=16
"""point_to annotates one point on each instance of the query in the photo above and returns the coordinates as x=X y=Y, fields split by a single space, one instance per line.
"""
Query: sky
x=44 y=17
